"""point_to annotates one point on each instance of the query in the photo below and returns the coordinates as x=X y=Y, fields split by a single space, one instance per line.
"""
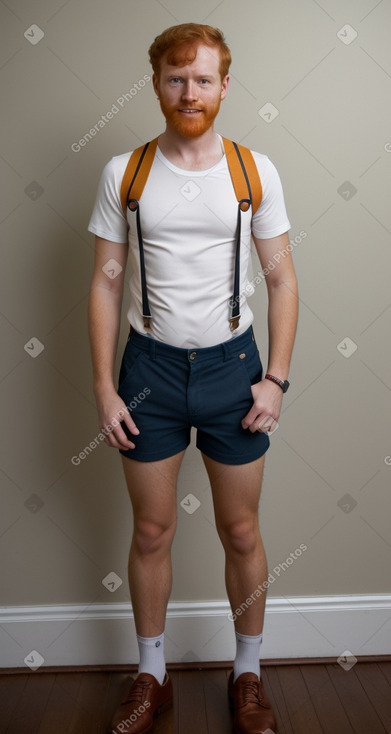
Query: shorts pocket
x=131 y=356
x=251 y=365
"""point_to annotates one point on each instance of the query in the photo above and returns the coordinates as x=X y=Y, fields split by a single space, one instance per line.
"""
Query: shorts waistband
x=225 y=350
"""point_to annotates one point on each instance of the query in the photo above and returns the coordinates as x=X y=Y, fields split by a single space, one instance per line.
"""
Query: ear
x=155 y=84
x=224 y=87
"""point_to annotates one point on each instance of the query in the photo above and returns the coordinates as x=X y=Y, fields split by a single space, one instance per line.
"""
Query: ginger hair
x=180 y=44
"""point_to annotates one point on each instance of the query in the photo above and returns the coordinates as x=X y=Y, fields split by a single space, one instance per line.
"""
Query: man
x=189 y=365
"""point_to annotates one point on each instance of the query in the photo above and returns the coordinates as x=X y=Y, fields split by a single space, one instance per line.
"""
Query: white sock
x=247 y=654
x=152 y=660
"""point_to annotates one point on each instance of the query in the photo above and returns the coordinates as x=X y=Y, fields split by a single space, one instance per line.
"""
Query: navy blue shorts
x=169 y=389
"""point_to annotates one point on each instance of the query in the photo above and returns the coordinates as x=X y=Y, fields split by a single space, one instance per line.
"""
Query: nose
x=189 y=91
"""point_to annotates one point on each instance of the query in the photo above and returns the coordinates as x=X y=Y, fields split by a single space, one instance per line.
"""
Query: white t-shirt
x=188 y=221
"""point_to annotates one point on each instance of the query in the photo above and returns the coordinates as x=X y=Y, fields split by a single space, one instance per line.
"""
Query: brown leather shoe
x=145 y=699
x=251 y=709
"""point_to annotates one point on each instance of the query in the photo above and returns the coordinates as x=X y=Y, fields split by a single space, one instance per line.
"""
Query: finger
x=119 y=440
x=115 y=436
x=120 y=434
x=266 y=424
x=261 y=423
x=250 y=418
x=126 y=418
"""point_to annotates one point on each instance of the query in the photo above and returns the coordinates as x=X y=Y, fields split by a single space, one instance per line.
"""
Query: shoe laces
x=137 y=691
x=251 y=693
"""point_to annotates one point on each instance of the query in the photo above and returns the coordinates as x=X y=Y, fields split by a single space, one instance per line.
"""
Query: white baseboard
x=104 y=634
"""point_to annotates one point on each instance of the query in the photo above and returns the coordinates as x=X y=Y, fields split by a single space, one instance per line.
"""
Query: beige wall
x=63 y=528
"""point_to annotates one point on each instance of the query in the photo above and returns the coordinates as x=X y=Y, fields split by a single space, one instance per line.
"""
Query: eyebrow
x=199 y=76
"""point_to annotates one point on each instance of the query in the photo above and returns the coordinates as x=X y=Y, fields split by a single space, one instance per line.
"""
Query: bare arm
x=104 y=316
x=282 y=322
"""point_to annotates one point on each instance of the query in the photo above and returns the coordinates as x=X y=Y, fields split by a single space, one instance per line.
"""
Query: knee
x=152 y=536
x=240 y=536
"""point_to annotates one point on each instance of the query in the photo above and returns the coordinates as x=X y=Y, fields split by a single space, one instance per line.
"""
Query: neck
x=203 y=151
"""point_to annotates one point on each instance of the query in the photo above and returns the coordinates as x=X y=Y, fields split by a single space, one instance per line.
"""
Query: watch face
x=286 y=385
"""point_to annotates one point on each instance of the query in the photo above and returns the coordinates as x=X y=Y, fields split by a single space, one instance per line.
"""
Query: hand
x=266 y=409
x=111 y=411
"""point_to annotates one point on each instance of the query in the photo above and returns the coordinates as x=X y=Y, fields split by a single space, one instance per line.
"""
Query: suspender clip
x=234 y=322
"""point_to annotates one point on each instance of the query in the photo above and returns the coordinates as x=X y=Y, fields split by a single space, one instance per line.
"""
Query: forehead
x=207 y=61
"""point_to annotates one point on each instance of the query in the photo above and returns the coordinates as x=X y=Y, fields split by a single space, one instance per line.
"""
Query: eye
x=204 y=81
x=175 y=79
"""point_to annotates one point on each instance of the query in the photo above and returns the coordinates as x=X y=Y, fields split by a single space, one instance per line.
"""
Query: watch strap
x=283 y=384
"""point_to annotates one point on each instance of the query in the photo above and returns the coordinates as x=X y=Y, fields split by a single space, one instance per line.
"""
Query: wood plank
x=218 y=717
x=191 y=703
x=11 y=690
x=31 y=704
x=378 y=690
x=88 y=713
x=386 y=670
x=325 y=700
x=298 y=701
x=274 y=693
x=358 y=707
x=61 y=703
x=174 y=674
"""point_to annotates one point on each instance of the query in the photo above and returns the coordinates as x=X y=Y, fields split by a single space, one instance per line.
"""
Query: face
x=190 y=96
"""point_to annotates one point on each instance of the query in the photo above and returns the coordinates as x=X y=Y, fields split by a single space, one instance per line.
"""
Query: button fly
x=192 y=355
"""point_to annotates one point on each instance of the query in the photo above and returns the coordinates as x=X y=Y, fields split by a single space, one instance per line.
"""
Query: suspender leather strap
x=139 y=166
x=132 y=187
x=242 y=170
x=241 y=163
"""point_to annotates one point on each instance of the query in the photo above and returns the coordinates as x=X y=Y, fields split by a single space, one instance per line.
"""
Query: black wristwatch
x=284 y=384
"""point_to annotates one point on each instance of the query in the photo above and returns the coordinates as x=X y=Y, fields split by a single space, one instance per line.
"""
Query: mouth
x=190 y=112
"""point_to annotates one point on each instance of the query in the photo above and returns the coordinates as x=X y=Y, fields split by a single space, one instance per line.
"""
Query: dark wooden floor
x=307 y=699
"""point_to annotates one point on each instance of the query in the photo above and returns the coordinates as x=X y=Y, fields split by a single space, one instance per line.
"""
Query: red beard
x=190 y=126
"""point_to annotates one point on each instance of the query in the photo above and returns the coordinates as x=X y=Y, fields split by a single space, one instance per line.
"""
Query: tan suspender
x=137 y=172
x=139 y=166
x=238 y=175
x=248 y=191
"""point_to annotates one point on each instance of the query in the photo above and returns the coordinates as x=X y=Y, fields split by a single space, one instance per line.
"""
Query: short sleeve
x=270 y=219
x=108 y=219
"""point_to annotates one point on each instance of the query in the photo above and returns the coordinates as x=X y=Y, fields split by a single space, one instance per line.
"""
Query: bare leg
x=152 y=490
x=236 y=491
